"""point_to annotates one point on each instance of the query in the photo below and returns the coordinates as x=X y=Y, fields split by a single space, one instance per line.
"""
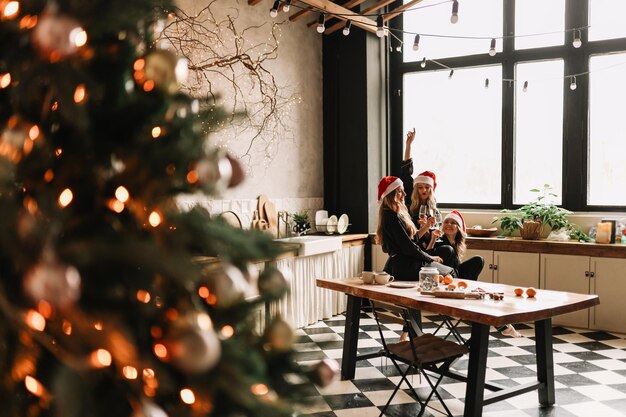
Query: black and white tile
x=589 y=368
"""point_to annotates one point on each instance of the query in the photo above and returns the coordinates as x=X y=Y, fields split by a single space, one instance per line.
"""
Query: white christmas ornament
x=55 y=282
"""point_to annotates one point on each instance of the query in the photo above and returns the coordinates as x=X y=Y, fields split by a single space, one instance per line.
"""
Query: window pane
x=538 y=147
x=607 y=136
x=479 y=18
x=606 y=19
x=459 y=131
x=539 y=16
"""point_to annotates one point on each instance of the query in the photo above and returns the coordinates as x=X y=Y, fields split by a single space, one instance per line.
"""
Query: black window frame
x=575 y=103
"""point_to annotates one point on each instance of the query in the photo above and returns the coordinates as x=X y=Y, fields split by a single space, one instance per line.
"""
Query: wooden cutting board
x=453 y=294
x=272 y=217
x=261 y=206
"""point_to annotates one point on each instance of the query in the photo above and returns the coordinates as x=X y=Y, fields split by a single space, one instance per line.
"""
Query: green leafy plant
x=301 y=217
x=542 y=211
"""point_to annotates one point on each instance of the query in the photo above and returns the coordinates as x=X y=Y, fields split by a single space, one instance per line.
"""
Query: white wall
x=293 y=178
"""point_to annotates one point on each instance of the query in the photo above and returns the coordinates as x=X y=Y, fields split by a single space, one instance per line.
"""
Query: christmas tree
x=113 y=301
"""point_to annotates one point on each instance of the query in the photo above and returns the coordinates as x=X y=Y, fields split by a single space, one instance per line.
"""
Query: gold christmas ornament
x=190 y=343
x=272 y=283
x=279 y=336
x=57 y=37
x=237 y=175
x=53 y=281
x=326 y=372
x=215 y=171
x=160 y=69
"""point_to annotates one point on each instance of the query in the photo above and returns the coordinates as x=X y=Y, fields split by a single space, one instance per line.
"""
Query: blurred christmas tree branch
x=222 y=58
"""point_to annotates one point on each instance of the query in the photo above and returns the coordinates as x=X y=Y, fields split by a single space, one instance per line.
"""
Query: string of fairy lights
x=382 y=31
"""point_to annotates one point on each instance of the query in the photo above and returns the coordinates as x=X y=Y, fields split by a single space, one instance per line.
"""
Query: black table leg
x=545 y=361
x=477 y=369
x=351 y=337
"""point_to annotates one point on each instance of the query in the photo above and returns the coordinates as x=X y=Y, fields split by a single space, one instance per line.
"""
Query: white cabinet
x=605 y=277
x=608 y=280
x=512 y=268
x=567 y=273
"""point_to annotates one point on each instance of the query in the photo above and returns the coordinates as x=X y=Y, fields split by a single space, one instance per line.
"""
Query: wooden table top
x=511 y=309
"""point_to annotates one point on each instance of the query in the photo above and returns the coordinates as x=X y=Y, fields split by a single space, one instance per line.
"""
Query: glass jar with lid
x=428 y=277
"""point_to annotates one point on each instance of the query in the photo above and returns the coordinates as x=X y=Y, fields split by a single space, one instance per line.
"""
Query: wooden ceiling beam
x=254 y=2
x=371 y=9
x=329 y=7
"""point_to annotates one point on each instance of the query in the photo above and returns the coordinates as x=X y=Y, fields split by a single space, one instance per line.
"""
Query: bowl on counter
x=482 y=232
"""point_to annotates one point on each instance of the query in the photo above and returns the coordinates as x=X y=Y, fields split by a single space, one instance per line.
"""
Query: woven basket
x=531 y=230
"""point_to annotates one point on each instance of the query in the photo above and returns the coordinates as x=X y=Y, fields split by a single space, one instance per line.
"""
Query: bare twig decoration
x=231 y=71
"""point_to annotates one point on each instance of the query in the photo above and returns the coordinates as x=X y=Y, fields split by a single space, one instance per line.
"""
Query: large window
x=542 y=110
x=445 y=130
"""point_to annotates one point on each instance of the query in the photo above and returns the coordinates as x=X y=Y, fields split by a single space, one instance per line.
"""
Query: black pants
x=471 y=268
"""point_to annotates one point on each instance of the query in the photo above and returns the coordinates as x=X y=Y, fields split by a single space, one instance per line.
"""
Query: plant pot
x=531 y=230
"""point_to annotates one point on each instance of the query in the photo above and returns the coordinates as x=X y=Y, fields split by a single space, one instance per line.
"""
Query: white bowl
x=342 y=224
x=320 y=215
x=331 y=226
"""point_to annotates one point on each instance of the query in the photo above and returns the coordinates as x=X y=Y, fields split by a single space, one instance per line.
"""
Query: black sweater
x=406 y=257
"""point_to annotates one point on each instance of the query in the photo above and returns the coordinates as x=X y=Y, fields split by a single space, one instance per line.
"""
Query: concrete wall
x=292 y=177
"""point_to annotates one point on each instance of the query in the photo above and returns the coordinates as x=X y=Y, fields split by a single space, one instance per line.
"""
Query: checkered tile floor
x=589 y=367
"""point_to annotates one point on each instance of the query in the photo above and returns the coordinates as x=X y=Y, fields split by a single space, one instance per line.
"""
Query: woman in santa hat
x=453 y=235
x=421 y=193
x=396 y=233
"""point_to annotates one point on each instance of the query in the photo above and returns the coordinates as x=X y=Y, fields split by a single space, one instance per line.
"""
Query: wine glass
x=438 y=223
x=423 y=212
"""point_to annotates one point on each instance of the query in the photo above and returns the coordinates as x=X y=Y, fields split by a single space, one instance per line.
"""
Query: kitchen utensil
x=272 y=217
x=402 y=284
x=231 y=218
x=262 y=199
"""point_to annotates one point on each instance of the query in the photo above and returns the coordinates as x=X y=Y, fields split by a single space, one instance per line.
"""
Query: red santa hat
x=387 y=185
x=456 y=216
x=426 y=177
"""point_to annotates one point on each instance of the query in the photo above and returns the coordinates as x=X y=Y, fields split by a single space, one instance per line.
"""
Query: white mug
x=383 y=278
x=368 y=277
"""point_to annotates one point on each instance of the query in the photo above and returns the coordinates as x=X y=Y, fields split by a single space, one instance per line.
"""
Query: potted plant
x=531 y=218
x=301 y=223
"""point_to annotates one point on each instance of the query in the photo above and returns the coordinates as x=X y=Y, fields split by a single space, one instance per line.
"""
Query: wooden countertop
x=516 y=244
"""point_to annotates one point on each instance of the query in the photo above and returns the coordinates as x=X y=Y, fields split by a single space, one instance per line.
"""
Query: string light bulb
x=492 y=47
x=577 y=43
x=416 y=42
x=423 y=64
x=572 y=85
x=286 y=6
x=399 y=47
x=525 y=88
x=11 y=9
x=321 y=23
x=451 y=74
x=455 y=12
x=380 y=26
x=346 y=27
x=274 y=9
x=486 y=83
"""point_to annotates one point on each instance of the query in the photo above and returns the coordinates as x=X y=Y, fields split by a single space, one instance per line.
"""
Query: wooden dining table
x=481 y=313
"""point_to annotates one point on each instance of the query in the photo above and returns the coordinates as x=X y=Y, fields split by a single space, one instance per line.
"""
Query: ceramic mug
x=368 y=277
x=383 y=278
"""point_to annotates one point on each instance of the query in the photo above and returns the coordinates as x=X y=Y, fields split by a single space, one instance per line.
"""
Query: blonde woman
x=396 y=233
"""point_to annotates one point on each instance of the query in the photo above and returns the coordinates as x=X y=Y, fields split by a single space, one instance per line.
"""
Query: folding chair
x=421 y=353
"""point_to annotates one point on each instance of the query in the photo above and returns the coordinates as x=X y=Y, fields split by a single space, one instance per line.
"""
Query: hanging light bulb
x=455 y=12
x=286 y=6
x=416 y=42
x=525 y=88
x=399 y=48
x=423 y=64
x=274 y=9
x=321 y=23
x=451 y=74
x=486 y=83
x=380 y=26
x=346 y=28
x=577 y=43
x=572 y=84
x=492 y=47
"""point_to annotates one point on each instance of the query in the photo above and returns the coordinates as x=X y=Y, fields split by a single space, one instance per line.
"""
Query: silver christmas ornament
x=272 y=283
x=53 y=281
x=55 y=36
x=192 y=344
x=227 y=284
